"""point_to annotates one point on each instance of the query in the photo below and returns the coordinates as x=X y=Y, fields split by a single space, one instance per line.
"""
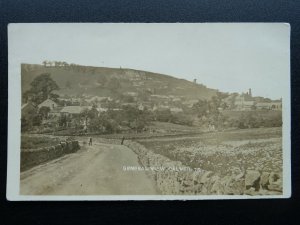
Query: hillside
x=102 y=81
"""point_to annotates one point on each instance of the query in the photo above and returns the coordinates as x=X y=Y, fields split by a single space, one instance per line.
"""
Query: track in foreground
x=96 y=170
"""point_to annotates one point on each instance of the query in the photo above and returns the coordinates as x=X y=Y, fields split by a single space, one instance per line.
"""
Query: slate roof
x=47 y=102
x=73 y=109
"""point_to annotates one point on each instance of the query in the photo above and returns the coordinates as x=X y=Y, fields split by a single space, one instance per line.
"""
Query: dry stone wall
x=33 y=157
x=171 y=180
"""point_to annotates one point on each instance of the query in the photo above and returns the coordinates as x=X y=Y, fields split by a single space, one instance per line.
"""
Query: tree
x=65 y=64
x=164 y=115
x=85 y=115
x=214 y=104
x=30 y=117
x=41 y=88
x=44 y=110
x=224 y=105
x=54 y=97
x=111 y=126
x=63 y=121
x=222 y=95
x=201 y=108
x=93 y=112
x=126 y=98
x=112 y=104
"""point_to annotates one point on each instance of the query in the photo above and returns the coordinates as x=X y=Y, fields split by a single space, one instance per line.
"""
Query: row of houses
x=240 y=102
x=246 y=101
x=154 y=102
x=253 y=105
x=57 y=110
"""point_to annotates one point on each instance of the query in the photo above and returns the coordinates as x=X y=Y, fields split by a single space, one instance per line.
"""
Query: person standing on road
x=91 y=141
x=123 y=138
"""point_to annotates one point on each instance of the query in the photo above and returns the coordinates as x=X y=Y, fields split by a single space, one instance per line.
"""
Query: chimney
x=250 y=93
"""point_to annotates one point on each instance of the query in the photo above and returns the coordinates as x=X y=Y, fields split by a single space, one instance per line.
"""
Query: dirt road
x=94 y=170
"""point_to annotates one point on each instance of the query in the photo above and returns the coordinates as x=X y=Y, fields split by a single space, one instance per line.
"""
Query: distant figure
x=123 y=138
x=91 y=141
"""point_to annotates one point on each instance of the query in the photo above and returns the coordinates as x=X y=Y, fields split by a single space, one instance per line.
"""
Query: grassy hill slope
x=99 y=81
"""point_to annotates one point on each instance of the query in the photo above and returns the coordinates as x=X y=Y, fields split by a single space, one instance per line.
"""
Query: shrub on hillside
x=253 y=119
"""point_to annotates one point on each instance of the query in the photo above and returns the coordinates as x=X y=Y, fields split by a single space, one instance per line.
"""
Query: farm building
x=176 y=110
x=274 y=105
x=29 y=107
x=72 y=110
x=55 y=112
x=48 y=103
x=244 y=102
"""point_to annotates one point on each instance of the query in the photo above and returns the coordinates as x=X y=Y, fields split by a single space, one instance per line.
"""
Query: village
x=124 y=100
x=72 y=111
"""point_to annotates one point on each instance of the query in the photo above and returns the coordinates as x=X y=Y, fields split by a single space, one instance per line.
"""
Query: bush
x=254 y=119
x=164 y=116
x=181 y=120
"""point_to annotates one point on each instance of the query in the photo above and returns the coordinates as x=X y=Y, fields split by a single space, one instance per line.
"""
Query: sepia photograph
x=148 y=111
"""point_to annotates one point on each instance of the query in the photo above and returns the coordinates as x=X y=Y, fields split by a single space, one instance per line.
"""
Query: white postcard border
x=13 y=149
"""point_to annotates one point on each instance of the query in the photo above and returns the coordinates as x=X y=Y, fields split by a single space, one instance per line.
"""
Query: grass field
x=35 y=142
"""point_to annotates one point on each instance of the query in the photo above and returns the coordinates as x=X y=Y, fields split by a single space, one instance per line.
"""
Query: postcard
x=148 y=111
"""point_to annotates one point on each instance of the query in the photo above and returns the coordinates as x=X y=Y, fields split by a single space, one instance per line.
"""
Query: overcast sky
x=228 y=57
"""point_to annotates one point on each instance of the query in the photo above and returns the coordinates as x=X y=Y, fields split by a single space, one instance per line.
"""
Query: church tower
x=250 y=92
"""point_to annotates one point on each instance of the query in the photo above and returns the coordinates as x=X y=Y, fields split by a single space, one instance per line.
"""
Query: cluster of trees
x=209 y=113
x=253 y=119
x=127 y=119
x=168 y=116
x=210 y=107
x=33 y=117
x=30 y=119
x=41 y=88
x=71 y=66
x=47 y=63
x=114 y=121
x=208 y=110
